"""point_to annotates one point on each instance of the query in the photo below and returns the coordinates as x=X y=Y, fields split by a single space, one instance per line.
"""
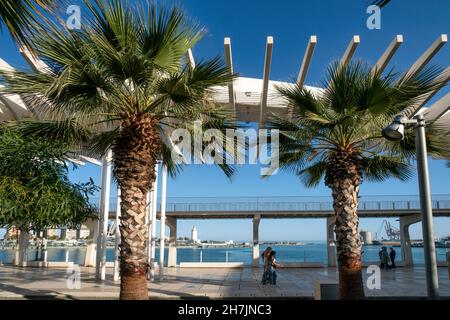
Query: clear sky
x=291 y=23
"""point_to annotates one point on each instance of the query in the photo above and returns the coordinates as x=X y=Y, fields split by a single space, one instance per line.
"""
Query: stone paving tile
x=214 y=283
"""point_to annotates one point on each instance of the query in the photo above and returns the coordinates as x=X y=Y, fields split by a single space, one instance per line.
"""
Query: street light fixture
x=396 y=132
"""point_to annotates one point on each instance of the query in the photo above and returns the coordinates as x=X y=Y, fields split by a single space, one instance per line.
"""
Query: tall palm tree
x=21 y=17
x=336 y=135
x=121 y=82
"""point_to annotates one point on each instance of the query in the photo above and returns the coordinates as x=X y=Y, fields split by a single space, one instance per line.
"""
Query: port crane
x=392 y=233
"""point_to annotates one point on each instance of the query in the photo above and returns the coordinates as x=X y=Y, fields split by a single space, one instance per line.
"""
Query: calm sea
x=310 y=252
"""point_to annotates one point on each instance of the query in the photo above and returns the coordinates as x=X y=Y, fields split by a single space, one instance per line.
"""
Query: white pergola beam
x=76 y=161
x=307 y=57
x=266 y=77
x=229 y=60
x=427 y=56
x=91 y=160
x=349 y=52
x=35 y=62
x=388 y=54
x=190 y=59
x=438 y=109
x=443 y=78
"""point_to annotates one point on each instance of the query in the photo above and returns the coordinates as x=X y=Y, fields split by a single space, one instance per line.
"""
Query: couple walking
x=270 y=265
x=387 y=260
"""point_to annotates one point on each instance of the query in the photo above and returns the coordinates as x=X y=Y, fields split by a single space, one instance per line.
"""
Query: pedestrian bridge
x=292 y=207
x=404 y=207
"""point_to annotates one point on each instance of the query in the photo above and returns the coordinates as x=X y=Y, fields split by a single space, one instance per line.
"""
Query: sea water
x=309 y=252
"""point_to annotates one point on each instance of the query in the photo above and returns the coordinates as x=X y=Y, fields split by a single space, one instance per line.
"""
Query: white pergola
x=251 y=98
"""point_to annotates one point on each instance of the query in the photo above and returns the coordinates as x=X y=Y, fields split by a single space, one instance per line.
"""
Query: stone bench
x=327 y=289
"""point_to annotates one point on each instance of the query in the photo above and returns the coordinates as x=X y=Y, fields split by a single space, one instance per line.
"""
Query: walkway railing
x=297 y=204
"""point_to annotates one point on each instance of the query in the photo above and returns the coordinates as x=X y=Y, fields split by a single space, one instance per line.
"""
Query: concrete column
x=21 y=250
x=256 y=221
x=89 y=259
x=152 y=238
x=116 y=274
x=63 y=235
x=405 y=240
x=100 y=268
x=331 y=244
x=172 y=258
x=162 y=232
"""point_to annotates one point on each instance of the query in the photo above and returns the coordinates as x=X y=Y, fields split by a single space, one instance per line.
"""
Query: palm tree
x=121 y=82
x=20 y=17
x=336 y=134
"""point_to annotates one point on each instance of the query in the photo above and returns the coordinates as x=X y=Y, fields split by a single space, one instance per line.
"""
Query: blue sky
x=248 y=23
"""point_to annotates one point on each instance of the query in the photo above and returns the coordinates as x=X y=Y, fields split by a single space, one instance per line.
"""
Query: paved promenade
x=28 y=283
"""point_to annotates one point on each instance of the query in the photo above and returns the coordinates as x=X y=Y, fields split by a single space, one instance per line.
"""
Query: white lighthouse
x=194 y=235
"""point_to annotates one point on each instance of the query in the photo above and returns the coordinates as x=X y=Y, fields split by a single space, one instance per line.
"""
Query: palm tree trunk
x=345 y=203
x=344 y=178
x=135 y=155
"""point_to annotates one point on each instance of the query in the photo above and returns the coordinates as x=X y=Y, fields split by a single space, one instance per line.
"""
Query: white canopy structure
x=251 y=98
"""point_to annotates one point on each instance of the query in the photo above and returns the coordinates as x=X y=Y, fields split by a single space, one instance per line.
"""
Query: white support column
x=153 y=226
x=117 y=240
x=172 y=258
x=100 y=268
x=90 y=258
x=405 y=240
x=256 y=221
x=331 y=245
x=162 y=236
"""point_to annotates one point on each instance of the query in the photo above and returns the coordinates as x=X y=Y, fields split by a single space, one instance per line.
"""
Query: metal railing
x=297 y=204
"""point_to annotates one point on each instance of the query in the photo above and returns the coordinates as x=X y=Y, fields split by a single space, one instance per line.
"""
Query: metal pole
x=163 y=221
x=153 y=233
x=149 y=225
x=427 y=213
x=117 y=239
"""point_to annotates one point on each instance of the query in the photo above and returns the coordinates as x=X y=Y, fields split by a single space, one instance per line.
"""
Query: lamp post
x=395 y=132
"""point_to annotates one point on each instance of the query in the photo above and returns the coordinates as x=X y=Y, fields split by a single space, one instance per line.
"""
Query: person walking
x=384 y=258
x=392 y=254
x=265 y=258
x=272 y=263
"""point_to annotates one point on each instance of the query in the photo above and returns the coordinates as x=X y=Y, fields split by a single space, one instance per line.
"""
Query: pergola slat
x=229 y=60
x=349 y=52
x=306 y=60
x=386 y=57
x=422 y=61
x=438 y=109
x=266 y=77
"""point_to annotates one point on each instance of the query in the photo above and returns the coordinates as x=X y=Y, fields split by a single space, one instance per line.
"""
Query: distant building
x=194 y=235
x=366 y=237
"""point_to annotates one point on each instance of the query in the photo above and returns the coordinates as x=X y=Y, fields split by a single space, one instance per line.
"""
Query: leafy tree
x=35 y=191
x=121 y=82
x=336 y=135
